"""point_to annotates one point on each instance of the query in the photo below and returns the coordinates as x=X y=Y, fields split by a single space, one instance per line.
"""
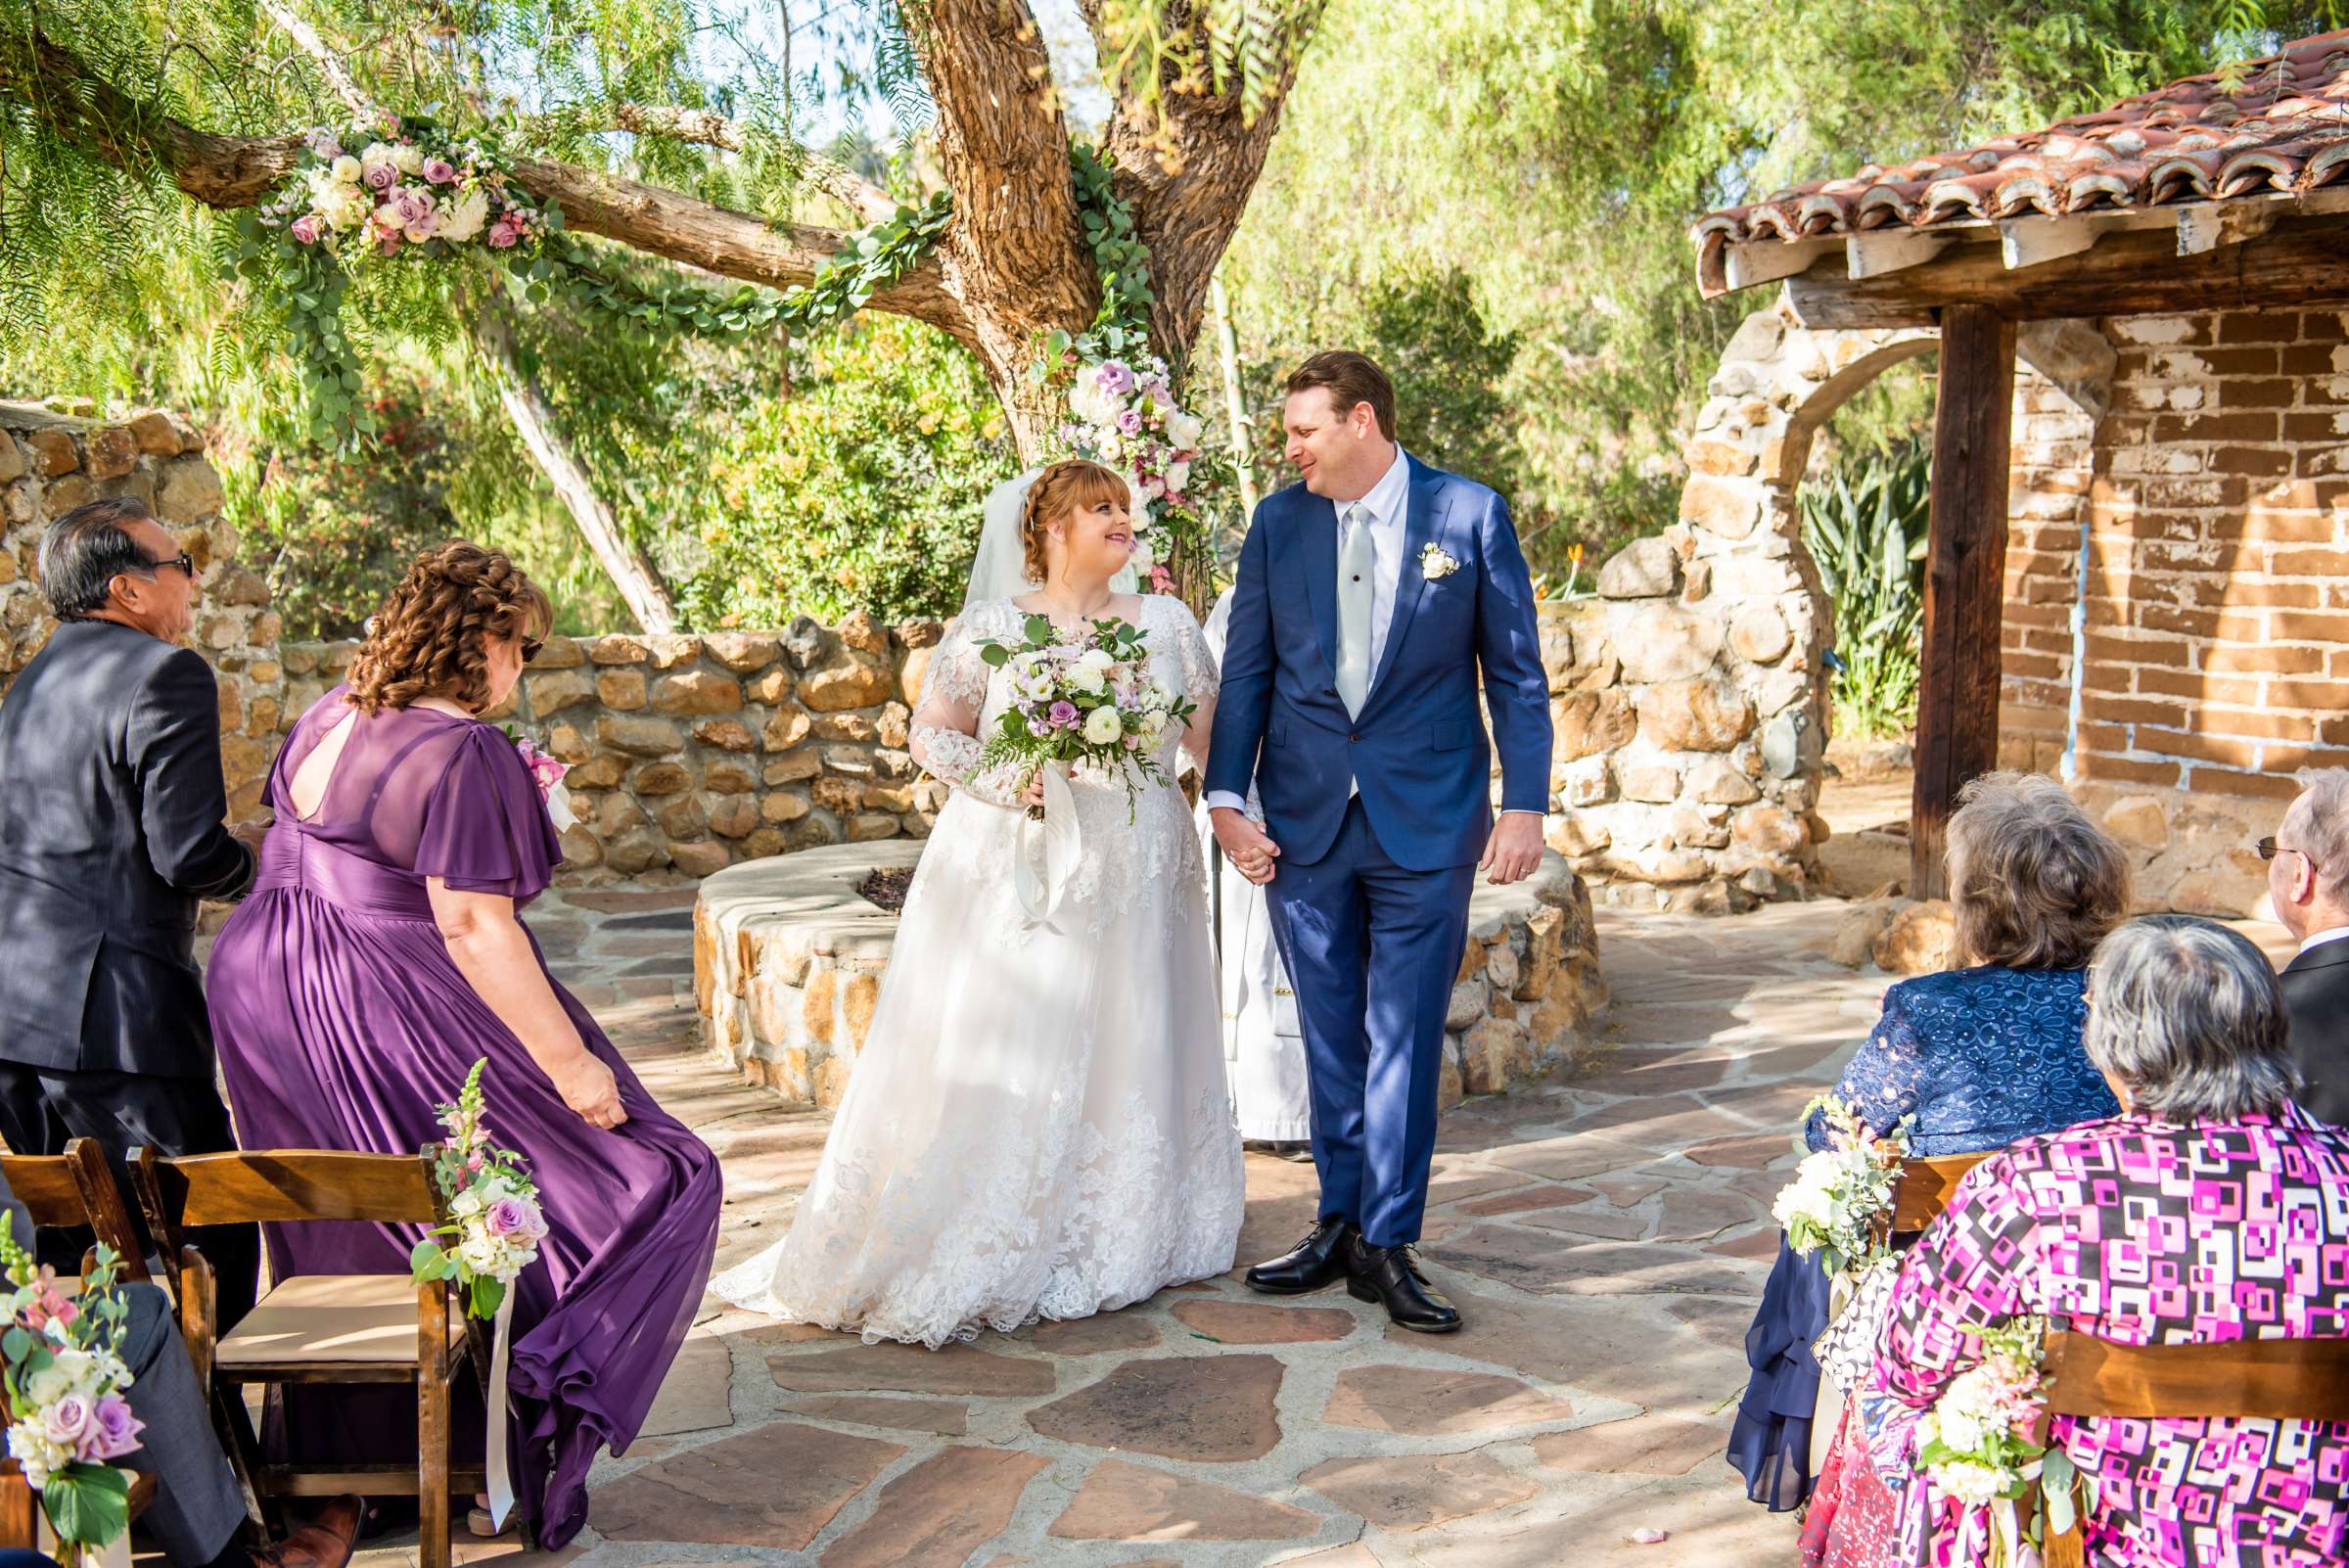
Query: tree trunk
x=638 y=581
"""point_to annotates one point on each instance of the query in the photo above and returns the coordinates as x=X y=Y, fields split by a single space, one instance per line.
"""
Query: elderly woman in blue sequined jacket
x=1972 y=1059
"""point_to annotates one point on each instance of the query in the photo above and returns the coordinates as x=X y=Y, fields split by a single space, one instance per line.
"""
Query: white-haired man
x=2308 y=881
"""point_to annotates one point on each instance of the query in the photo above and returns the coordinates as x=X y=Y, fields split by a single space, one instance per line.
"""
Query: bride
x=1039 y=1124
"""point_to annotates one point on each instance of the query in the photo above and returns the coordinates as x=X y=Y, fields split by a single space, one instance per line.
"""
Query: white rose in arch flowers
x=1435 y=565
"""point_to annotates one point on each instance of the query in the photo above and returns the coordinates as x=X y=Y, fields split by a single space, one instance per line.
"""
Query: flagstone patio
x=1606 y=1234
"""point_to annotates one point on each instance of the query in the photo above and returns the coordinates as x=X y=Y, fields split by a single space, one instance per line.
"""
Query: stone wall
x=689 y=754
x=50 y=463
x=789 y=960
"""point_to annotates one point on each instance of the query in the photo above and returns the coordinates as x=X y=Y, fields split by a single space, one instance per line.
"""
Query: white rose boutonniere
x=1434 y=564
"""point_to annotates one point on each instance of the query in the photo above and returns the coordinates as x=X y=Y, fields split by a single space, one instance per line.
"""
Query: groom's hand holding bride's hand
x=1513 y=850
x=1245 y=845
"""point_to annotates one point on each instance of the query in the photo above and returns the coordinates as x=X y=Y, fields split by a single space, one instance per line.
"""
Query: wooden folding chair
x=321 y=1328
x=70 y=1190
x=2279 y=1379
x=75 y=1190
x=1925 y=1189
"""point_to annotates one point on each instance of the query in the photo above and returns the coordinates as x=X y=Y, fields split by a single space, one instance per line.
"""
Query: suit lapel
x=1423 y=520
x=1317 y=546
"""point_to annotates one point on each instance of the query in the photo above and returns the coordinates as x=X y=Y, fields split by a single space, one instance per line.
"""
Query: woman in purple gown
x=378 y=958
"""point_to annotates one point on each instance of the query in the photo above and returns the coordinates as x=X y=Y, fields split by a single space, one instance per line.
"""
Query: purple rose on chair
x=1064 y=714
x=440 y=171
x=113 y=1430
x=506 y=1217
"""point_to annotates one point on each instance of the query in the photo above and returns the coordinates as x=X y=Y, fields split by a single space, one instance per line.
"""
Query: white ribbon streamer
x=501 y=1481
x=1060 y=840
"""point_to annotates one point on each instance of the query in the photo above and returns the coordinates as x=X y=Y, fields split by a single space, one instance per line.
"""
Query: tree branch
x=705 y=127
x=330 y=64
x=237 y=171
x=1004 y=148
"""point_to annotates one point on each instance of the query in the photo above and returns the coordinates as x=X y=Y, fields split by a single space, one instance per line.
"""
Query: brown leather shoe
x=324 y=1543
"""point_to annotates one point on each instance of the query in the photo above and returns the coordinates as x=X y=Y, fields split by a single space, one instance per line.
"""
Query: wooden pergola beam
x=2299 y=261
x=1965 y=569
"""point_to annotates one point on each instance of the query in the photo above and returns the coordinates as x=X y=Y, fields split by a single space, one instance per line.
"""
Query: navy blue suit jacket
x=1418 y=748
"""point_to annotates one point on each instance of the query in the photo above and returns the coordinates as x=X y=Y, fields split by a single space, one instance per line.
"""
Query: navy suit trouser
x=1374 y=948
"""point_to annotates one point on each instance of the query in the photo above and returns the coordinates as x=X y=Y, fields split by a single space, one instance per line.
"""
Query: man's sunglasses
x=2269 y=848
x=182 y=563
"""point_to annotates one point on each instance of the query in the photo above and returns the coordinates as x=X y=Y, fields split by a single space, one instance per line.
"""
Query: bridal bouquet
x=1125 y=416
x=1831 y=1205
x=1981 y=1447
x=386 y=183
x=67 y=1417
x=494 y=1224
x=1089 y=701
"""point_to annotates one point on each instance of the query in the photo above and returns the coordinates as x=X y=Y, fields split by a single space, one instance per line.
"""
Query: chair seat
x=347 y=1320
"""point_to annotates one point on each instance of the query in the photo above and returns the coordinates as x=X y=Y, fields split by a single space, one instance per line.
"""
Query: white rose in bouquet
x=462 y=219
x=1102 y=726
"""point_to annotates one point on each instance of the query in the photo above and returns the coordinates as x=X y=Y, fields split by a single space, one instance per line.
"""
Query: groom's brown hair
x=1349 y=379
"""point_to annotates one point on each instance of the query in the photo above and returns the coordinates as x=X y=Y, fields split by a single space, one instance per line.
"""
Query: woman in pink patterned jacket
x=2211 y=1209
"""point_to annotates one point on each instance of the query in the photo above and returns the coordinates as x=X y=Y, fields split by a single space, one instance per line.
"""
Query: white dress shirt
x=1389 y=507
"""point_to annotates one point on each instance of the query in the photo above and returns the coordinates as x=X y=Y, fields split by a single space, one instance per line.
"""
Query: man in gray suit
x=111 y=836
x=196 y=1514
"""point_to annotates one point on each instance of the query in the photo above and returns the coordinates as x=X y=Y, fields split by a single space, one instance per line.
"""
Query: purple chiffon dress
x=341 y=1022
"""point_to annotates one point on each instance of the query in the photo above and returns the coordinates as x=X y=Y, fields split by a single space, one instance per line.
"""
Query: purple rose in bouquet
x=440 y=171
x=113 y=1431
x=1064 y=714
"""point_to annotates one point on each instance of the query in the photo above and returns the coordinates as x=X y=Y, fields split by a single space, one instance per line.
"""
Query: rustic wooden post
x=1965 y=569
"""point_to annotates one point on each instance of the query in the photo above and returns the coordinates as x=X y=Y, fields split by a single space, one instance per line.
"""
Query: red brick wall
x=2216 y=605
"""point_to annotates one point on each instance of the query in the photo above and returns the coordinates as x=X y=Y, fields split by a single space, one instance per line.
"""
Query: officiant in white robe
x=1264 y=1047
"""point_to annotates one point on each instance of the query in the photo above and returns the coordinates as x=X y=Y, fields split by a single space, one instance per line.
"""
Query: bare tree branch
x=330 y=64
x=237 y=171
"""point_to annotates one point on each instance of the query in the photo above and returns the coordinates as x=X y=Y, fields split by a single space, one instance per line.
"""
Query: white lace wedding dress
x=1039 y=1124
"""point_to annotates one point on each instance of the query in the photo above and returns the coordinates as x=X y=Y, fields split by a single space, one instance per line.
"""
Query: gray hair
x=86 y=549
x=2318 y=824
x=2185 y=1014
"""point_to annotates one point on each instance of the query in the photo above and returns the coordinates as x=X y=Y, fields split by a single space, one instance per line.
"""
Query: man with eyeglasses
x=2308 y=882
x=111 y=837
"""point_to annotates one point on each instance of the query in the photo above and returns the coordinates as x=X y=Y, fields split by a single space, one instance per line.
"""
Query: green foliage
x=862 y=489
x=1865 y=529
x=1554 y=152
x=332 y=530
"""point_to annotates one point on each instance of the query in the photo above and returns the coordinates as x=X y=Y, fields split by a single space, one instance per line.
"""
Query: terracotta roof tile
x=2283 y=127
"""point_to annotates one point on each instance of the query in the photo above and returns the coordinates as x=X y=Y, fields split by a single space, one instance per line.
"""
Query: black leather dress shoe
x=1392 y=1277
x=1318 y=1260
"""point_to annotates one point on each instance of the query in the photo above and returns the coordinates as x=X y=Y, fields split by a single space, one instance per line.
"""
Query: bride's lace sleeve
x=1196 y=667
x=943 y=737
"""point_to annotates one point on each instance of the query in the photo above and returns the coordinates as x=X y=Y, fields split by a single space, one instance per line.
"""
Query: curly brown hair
x=2034 y=883
x=431 y=638
x=1061 y=491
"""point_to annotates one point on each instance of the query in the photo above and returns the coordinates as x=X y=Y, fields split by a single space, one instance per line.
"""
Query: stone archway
x=1692 y=715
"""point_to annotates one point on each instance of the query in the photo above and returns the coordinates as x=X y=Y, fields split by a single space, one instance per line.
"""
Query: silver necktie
x=1356 y=561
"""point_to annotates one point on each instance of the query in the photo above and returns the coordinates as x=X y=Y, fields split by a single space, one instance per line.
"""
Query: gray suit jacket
x=2316 y=999
x=111 y=836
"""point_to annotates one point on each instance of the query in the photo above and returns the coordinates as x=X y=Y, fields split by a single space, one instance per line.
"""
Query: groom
x=1370 y=597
